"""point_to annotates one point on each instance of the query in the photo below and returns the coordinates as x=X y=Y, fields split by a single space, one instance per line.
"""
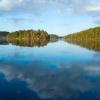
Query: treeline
x=31 y=38
x=89 y=39
x=90 y=34
x=28 y=34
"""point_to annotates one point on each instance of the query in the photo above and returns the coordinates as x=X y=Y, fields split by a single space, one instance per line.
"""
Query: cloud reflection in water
x=33 y=77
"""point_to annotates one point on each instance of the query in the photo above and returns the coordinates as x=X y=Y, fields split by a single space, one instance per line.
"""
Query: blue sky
x=55 y=16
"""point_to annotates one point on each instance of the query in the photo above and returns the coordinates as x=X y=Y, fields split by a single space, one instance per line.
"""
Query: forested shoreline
x=89 y=34
x=34 y=34
x=28 y=37
x=89 y=39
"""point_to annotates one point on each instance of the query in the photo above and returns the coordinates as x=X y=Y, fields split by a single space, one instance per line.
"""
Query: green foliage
x=89 y=39
x=28 y=34
x=90 y=34
x=30 y=38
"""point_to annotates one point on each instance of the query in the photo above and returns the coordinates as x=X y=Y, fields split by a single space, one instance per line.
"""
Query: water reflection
x=58 y=71
x=35 y=81
x=28 y=42
x=88 y=44
x=15 y=90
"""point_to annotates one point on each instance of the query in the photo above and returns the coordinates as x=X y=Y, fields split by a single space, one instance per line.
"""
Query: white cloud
x=66 y=5
x=94 y=8
x=8 y=4
x=40 y=4
x=37 y=7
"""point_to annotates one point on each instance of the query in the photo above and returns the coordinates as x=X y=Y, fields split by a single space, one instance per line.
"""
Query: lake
x=54 y=71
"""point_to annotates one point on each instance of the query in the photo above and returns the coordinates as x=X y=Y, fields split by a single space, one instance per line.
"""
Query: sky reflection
x=53 y=72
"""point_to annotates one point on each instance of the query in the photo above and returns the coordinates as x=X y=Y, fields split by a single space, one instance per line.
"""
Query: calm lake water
x=56 y=71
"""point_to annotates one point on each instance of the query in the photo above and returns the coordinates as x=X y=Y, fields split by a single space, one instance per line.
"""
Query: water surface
x=56 y=71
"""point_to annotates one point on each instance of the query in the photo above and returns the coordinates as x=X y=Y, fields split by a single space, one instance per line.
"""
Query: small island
x=28 y=38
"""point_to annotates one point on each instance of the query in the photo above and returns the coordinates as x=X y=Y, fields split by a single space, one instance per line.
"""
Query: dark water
x=56 y=71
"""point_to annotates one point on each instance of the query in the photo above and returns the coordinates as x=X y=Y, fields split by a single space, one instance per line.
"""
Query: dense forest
x=90 y=34
x=89 y=39
x=27 y=34
x=31 y=38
